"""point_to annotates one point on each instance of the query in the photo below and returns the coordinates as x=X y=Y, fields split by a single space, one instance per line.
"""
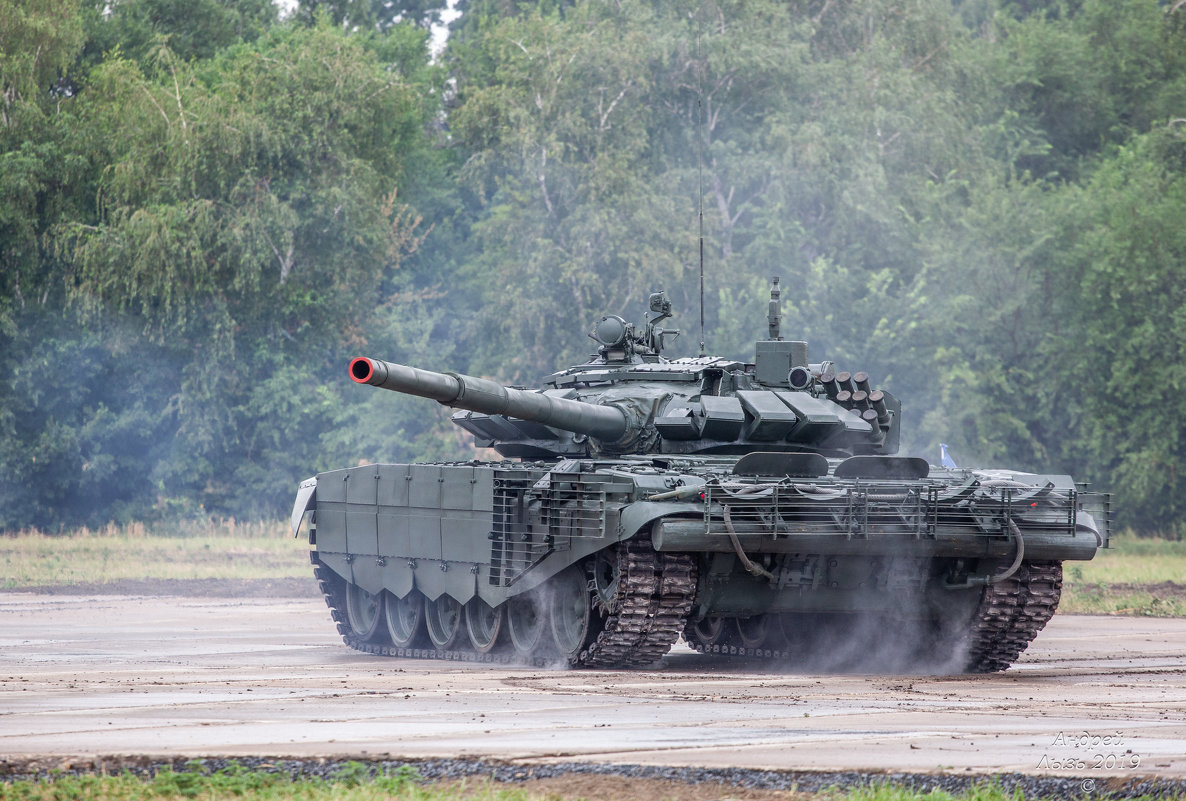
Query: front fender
x=636 y=516
x=306 y=499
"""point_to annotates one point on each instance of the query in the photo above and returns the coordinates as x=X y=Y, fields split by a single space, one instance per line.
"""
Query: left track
x=333 y=588
x=635 y=627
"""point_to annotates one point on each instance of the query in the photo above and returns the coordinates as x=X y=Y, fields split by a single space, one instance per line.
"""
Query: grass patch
x=358 y=782
x=1133 y=560
x=1101 y=599
x=222 y=549
x=1137 y=576
x=987 y=791
x=350 y=783
x=1143 y=576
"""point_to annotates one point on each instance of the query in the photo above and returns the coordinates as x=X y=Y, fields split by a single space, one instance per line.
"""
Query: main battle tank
x=756 y=509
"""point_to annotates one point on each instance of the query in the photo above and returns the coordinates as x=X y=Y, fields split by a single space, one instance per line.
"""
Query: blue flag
x=945 y=457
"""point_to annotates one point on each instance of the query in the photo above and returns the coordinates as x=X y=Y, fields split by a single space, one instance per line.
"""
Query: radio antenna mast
x=700 y=176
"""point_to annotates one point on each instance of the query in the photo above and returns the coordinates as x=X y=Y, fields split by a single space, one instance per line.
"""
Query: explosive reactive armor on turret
x=757 y=509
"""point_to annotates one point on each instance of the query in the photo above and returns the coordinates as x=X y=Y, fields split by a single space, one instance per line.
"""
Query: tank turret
x=629 y=398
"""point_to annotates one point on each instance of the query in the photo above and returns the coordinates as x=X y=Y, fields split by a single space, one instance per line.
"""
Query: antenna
x=700 y=177
x=775 y=314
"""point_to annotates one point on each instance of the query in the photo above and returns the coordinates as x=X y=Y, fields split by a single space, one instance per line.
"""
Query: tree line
x=206 y=209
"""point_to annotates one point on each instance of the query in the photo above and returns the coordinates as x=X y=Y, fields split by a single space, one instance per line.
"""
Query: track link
x=1010 y=615
x=648 y=612
x=727 y=649
x=728 y=646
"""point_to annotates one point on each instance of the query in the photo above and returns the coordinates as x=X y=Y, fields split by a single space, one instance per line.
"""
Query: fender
x=636 y=516
x=306 y=499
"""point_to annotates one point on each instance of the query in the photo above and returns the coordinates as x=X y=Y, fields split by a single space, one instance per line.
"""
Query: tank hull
x=605 y=563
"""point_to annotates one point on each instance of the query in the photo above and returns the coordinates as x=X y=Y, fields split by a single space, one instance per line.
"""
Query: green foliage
x=920 y=175
x=556 y=137
x=1089 y=78
x=191 y=29
x=886 y=791
x=236 y=246
x=360 y=782
x=1127 y=326
x=38 y=168
x=373 y=15
x=38 y=42
x=204 y=211
x=83 y=414
x=354 y=780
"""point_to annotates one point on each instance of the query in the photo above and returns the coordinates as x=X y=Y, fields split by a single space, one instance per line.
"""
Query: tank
x=757 y=510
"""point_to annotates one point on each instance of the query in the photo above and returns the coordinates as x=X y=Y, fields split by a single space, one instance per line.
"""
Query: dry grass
x=220 y=549
x=1102 y=599
x=1137 y=576
x=1134 y=560
x=356 y=782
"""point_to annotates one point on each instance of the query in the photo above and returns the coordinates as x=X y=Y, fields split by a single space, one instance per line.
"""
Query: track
x=644 y=619
x=634 y=628
x=1007 y=619
x=1011 y=614
x=333 y=589
x=655 y=595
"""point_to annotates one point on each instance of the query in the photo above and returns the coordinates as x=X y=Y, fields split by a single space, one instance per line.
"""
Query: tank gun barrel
x=460 y=391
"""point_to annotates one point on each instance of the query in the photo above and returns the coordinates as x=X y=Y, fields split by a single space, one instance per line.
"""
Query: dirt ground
x=186 y=588
x=306 y=587
x=234 y=671
x=1166 y=590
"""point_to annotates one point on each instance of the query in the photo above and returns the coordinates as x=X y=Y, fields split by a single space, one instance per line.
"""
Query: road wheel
x=526 y=619
x=405 y=619
x=364 y=613
x=484 y=623
x=706 y=632
x=572 y=613
x=444 y=618
x=752 y=631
